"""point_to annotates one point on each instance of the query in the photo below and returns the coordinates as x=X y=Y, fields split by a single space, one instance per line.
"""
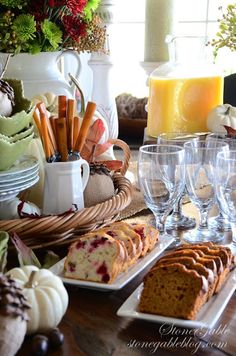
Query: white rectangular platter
x=123 y=278
x=206 y=318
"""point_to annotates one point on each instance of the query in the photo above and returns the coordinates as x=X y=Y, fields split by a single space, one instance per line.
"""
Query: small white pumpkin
x=49 y=99
x=45 y=293
x=221 y=115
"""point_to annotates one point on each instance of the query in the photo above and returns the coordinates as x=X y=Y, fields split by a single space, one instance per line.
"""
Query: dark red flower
x=74 y=27
x=37 y=9
x=56 y=3
x=76 y=6
x=37 y=6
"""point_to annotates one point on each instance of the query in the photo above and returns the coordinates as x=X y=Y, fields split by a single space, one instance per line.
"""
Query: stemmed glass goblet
x=177 y=220
x=200 y=160
x=161 y=175
x=220 y=222
x=225 y=187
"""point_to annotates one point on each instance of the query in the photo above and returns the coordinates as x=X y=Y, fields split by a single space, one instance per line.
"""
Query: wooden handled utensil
x=62 y=138
x=70 y=122
x=89 y=112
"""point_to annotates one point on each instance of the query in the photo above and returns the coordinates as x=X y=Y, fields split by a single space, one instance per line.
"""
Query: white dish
x=18 y=177
x=10 y=194
x=16 y=183
x=206 y=318
x=123 y=278
x=5 y=189
x=24 y=164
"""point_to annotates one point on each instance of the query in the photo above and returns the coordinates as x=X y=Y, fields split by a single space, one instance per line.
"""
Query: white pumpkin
x=45 y=293
x=49 y=99
x=221 y=115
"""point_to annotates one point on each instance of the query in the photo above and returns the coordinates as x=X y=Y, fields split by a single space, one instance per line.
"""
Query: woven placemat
x=137 y=205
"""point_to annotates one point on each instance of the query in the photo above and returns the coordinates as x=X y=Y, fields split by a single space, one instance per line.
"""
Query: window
x=127 y=38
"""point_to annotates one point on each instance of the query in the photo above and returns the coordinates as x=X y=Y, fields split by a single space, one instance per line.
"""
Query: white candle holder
x=101 y=65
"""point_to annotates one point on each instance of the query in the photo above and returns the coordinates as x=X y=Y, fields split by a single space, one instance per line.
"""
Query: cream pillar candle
x=159 y=21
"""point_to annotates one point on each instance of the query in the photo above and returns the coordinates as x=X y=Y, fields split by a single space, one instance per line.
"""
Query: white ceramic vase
x=40 y=73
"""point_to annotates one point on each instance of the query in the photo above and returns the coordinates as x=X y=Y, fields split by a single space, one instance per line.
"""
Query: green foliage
x=26 y=255
x=226 y=35
x=25 y=27
x=50 y=25
x=52 y=33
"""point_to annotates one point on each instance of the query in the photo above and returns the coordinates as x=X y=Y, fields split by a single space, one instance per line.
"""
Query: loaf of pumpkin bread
x=180 y=283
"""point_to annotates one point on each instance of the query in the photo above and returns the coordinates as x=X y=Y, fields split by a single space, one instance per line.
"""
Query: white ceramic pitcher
x=40 y=73
x=64 y=186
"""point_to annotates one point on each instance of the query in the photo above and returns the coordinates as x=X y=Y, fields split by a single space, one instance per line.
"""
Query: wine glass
x=161 y=175
x=177 y=220
x=200 y=160
x=225 y=187
x=220 y=222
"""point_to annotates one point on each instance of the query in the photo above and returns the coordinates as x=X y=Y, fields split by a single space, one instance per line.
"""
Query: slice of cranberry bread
x=173 y=290
x=119 y=235
x=148 y=234
x=129 y=231
x=95 y=257
x=140 y=230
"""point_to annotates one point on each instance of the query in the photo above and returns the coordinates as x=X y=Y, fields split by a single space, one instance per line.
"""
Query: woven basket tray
x=58 y=230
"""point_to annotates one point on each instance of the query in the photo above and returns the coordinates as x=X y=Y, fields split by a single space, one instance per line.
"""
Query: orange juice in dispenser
x=183 y=91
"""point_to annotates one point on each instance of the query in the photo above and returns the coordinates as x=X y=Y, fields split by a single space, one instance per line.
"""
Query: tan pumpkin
x=45 y=293
x=221 y=115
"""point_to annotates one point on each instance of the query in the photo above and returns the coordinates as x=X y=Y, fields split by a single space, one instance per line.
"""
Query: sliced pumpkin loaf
x=223 y=265
x=173 y=290
x=191 y=264
x=168 y=289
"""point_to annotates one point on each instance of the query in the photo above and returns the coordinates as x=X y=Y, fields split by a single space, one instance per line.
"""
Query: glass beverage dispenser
x=183 y=91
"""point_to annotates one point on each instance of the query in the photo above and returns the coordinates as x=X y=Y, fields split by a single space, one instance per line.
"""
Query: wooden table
x=91 y=327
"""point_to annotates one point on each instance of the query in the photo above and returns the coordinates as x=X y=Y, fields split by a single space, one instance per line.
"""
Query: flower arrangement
x=32 y=26
x=226 y=35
